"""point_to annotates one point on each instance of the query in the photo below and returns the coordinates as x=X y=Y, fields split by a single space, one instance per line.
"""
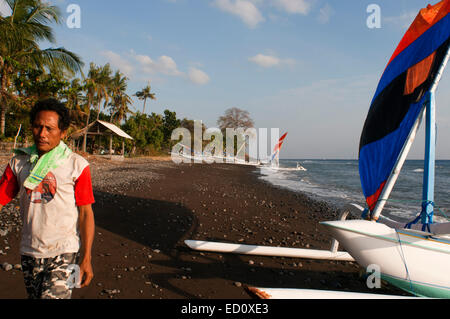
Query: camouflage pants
x=48 y=278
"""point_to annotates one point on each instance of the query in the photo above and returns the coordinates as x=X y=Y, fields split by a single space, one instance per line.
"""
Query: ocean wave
x=337 y=183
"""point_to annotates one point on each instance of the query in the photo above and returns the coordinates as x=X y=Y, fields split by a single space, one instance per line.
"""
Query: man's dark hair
x=55 y=106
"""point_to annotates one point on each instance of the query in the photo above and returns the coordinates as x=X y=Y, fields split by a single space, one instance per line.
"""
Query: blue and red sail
x=277 y=147
x=400 y=96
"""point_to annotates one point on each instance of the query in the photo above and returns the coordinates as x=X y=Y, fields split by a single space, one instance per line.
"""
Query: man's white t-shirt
x=49 y=212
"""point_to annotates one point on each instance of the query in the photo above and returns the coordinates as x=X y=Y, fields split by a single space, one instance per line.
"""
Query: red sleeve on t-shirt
x=9 y=187
x=83 y=188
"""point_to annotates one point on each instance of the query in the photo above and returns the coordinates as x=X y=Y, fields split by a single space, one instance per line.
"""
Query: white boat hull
x=288 y=293
x=410 y=260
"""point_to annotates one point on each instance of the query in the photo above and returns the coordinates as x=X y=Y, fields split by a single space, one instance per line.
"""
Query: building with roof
x=98 y=129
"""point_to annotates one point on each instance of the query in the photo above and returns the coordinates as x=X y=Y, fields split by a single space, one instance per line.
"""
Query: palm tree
x=75 y=99
x=90 y=87
x=103 y=84
x=120 y=100
x=121 y=109
x=118 y=84
x=145 y=94
x=20 y=33
x=73 y=94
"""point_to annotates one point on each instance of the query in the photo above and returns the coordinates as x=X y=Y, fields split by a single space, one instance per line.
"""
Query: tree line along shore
x=29 y=73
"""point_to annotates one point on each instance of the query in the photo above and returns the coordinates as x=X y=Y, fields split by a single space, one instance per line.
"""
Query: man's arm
x=87 y=231
x=9 y=187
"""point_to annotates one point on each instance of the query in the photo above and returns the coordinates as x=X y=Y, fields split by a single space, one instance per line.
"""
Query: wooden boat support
x=332 y=254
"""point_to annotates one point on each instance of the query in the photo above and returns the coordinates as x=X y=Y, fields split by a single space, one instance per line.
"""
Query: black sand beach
x=145 y=208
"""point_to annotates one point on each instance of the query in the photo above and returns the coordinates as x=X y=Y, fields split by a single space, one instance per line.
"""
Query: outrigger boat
x=273 y=160
x=207 y=157
x=414 y=257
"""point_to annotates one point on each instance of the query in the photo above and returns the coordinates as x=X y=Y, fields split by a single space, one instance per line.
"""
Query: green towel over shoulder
x=41 y=166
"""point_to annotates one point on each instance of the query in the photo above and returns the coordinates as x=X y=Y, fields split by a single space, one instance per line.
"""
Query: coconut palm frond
x=61 y=58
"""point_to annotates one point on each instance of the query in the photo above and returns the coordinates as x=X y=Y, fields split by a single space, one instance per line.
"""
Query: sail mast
x=430 y=158
x=430 y=150
x=428 y=180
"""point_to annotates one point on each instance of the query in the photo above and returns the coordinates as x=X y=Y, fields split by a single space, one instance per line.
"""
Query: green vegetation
x=29 y=73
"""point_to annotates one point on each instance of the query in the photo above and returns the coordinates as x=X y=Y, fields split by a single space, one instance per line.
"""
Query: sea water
x=338 y=183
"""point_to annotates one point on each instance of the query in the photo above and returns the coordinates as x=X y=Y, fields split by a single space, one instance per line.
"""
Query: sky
x=307 y=67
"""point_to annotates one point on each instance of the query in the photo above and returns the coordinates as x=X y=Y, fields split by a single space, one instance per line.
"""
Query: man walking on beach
x=55 y=194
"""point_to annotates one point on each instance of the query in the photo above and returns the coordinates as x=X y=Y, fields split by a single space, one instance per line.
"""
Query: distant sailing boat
x=274 y=162
x=415 y=257
x=274 y=159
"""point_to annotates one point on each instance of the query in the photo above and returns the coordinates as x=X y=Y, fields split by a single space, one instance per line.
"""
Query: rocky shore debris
x=110 y=292
x=10 y=225
x=10 y=219
x=6 y=266
x=109 y=176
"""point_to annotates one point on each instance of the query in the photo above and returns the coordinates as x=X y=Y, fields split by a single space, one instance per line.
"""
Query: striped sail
x=277 y=147
x=400 y=97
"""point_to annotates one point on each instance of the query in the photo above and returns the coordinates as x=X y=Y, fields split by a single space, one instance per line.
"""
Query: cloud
x=403 y=21
x=250 y=11
x=144 y=60
x=118 y=62
x=265 y=61
x=246 y=10
x=294 y=6
x=164 y=65
x=198 y=76
x=268 y=61
x=131 y=63
x=325 y=14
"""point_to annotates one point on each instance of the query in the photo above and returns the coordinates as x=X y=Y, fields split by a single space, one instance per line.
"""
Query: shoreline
x=146 y=208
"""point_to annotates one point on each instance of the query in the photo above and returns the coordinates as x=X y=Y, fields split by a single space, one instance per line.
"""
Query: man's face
x=46 y=132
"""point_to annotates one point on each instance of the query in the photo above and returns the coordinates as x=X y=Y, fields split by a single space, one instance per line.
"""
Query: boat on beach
x=206 y=157
x=414 y=256
x=273 y=161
